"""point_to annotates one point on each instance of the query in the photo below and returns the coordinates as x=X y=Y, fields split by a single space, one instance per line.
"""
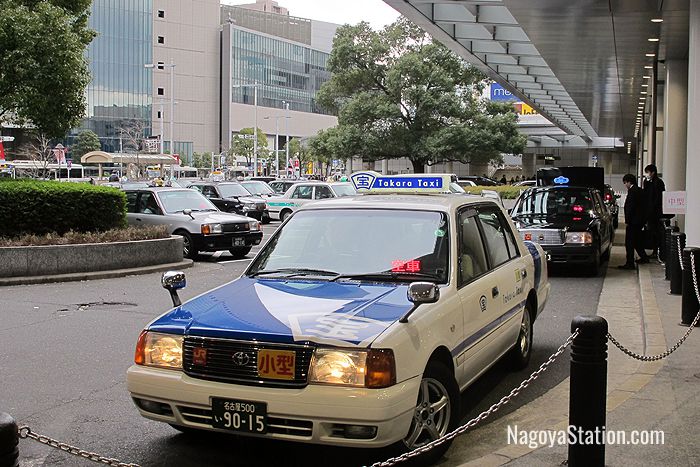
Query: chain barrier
x=26 y=432
x=669 y=351
x=483 y=415
x=680 y=252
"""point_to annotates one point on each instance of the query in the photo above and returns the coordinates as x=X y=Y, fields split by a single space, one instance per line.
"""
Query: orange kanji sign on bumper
x=276 y=364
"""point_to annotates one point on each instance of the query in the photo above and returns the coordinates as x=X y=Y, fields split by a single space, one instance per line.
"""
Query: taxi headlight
x=579 y=237
x=359 y=368
x=159 y=350
x=212 y=229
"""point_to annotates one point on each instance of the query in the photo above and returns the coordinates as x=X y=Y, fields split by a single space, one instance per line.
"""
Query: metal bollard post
x=676 y=271
x=689 y=300
x=587 y=392
x=668 y=240
x=9 y=441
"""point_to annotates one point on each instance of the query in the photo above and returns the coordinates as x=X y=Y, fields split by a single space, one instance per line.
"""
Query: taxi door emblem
x=541 y=237
x=241 y=359
x=482 y=303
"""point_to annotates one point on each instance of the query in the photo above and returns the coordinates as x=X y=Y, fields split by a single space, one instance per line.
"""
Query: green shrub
x=506 y=191
x=41 y=207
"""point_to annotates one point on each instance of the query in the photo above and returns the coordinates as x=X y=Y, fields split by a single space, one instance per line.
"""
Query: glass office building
x=120 y=92
x=288 y=71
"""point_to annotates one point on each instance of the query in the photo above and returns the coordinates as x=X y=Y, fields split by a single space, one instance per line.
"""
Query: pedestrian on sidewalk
x=634 y=220
x=653 y=188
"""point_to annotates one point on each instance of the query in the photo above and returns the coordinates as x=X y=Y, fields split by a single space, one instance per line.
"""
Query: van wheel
x=436 y=412
x=522 y=350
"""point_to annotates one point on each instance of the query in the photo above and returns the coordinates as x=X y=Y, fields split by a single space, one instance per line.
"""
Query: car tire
x=188 y=249
x=266 y=219
x=285 y=214
x=436 y=413
x=240 y=252
x=521 y=351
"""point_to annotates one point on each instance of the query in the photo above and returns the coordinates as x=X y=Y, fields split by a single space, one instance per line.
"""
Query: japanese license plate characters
x=237 y=415
x=276 y=364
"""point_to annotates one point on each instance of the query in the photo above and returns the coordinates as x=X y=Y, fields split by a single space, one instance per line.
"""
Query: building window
x=161 y=40
x=161 y=66
x=161 y=91
x=161 y=13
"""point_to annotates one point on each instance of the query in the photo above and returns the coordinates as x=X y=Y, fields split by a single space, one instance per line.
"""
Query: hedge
x=40 y=207
x=506 y=191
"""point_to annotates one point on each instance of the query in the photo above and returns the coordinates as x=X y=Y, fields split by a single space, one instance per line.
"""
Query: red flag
x=2 y=151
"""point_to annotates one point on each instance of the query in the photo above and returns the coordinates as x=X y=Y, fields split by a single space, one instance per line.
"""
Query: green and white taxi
x=302 y=193
x=357 y=324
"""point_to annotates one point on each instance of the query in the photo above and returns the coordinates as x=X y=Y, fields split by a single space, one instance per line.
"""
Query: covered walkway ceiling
x=579 y=63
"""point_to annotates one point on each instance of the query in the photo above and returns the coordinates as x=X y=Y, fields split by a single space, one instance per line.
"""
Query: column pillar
x=675 y=124
x=692 y=218
x=385 y=166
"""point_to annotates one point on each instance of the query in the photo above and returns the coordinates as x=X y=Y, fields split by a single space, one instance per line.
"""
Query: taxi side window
x=303 y=192
x=209 y=191
x=495 y=232
x=196 y=187
x=323 y=192
x=148 y=204
x=131 y=197
x=599 y=205
x=472 y=257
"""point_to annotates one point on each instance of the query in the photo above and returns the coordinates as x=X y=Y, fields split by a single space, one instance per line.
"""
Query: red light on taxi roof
x=528 y=237
x=399 y=265
x=578 y=208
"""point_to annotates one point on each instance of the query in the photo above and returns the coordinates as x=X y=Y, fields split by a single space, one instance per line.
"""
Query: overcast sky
x=375 y=12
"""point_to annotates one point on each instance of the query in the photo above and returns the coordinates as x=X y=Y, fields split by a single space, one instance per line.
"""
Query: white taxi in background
x=357 y=324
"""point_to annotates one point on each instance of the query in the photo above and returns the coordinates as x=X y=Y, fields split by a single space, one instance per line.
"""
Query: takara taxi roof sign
x=374 y=182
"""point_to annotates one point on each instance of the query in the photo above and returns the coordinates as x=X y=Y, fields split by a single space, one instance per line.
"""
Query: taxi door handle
x=494 y=292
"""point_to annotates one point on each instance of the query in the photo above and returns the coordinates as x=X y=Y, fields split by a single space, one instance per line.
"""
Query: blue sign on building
x=498 y=93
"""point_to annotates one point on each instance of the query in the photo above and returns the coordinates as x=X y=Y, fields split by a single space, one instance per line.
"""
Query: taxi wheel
x=188 y=250
x=522 y=350
x=240 y=252
x=284 y=215
x=436 y=412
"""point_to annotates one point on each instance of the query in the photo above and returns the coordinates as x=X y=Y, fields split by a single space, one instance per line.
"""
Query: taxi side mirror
x=172 y=281
x=419 y=293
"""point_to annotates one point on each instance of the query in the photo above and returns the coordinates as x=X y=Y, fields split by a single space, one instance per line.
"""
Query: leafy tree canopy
x=86 y=141
x=242 y=144
x=399 y=94
x=44 y=71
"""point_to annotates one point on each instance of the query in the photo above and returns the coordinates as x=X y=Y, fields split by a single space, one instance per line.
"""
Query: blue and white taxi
x=357 y=324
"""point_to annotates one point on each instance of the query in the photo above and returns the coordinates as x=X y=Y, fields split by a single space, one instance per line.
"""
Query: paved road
x=64 y=350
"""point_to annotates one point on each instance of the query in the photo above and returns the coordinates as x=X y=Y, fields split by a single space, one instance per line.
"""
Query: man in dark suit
x=635 y=208
x=653 y=188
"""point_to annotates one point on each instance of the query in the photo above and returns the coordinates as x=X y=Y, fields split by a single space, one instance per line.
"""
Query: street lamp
x=255 y=127
x=170 y=65
x=277 y=138
x=286 y=130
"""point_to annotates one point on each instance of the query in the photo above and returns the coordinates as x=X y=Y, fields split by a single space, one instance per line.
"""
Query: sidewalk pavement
x=662 y=395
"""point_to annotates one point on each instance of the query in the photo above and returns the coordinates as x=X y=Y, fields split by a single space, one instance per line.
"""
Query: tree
x=242 y=144
x=44 y=71
x=39 y=149
x=201 y=160
x=399 y=94
x=86 y=141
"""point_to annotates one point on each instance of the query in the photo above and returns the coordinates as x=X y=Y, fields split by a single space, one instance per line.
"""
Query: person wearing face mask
x=653 y=188
x=634 y=221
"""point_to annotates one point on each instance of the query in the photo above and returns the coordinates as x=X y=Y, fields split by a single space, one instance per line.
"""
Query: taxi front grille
x=544 y=236
x=236 y=227
x=232 y=361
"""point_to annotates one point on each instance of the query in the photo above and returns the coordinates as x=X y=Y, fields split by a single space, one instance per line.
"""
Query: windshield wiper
x=296 y=272
x=388 y=275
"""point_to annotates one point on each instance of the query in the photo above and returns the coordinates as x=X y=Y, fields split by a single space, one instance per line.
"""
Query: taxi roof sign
x=374 y=182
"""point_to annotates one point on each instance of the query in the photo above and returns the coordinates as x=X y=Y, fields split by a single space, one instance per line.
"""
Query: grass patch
x=506 y=191
x=127 y=234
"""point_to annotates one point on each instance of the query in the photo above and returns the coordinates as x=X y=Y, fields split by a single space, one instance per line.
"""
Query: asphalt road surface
x=65 y=348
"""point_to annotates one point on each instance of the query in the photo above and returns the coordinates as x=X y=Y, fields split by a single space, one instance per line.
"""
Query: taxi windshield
x=179 y=200
x=230 y=190
x=554 y=201
x=381 y=243
x=344 y=190
x=257 y=188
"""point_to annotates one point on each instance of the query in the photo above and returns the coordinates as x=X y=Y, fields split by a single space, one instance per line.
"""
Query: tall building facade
x=120 y=92
x=285 y=58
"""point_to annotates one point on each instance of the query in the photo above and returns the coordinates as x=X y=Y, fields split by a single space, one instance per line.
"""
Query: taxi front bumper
x=314 y=414
x=568 y=254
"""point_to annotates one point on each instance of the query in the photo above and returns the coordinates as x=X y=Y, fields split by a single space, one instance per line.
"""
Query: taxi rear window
x=561 y=201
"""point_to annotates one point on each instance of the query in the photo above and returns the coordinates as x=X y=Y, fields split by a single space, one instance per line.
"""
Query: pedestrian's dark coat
x=635 y=206
x=653 y=191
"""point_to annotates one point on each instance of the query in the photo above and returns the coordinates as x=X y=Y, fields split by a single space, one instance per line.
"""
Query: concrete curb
x=86 y=276
x=626 y=376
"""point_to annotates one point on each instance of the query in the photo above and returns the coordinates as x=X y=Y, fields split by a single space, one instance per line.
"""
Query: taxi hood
x=285 y=311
